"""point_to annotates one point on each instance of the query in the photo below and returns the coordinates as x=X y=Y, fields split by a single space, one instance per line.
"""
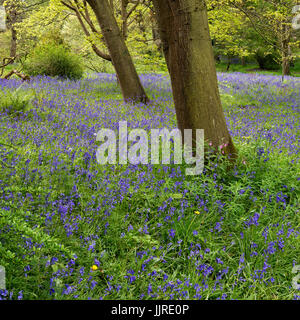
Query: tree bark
x=13 y=43
x=24 y=77
x=243 y=61
x=285 y=50
x=80 y=17
x=130 y=83
x=12 y=17
x=189 y=55
x=228 y=64
x=286 y=58
x=155 y=32
x=286 y=70
x=124 y=4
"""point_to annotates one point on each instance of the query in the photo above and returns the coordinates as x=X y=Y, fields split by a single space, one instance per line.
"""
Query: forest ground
x=72 y=229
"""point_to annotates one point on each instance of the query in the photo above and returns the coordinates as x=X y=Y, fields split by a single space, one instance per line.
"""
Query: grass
x=160 y=68
x=249 y=68
x=72 y=229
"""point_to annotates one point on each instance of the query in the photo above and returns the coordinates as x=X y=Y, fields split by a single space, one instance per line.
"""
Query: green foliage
x=15 y=102
x=4 y=43
x=266 y=61
x=253 y=68
x=54 y=60
x=53 y=37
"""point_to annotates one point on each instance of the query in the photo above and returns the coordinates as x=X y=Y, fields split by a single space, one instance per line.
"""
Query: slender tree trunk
x=188 y=50
x=155 y=32
x=228 y=64
x=243 y=61
x=12 y=16
x=130 y=83
x=82 y=18
x=285 y=59
x=13 y=43
x=285 y=50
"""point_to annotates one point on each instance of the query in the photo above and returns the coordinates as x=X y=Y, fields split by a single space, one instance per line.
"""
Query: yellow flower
x=94 y=267
x=197 y=212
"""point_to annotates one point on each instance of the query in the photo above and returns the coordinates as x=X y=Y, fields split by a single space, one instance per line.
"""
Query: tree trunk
x=228 y=64
x=130 y=83
x=13 y=43
x=188 y=50
x=124 y=5
x=155 y=32
x=11 y=20
x=286 y=59
x=243 y=61
x=286 y=67
x=285 y=50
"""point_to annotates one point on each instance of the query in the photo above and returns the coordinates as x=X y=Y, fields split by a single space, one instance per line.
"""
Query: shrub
x=54 y=60
x=266 y=61
x=15 y=102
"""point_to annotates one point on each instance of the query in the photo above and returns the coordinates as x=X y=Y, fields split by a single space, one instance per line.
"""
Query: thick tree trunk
x=130 y=83
x=188 y=50
x=286 y=67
